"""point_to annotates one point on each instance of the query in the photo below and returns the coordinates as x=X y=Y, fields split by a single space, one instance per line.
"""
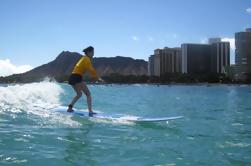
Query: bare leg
x=88 y=96
x=77 y=87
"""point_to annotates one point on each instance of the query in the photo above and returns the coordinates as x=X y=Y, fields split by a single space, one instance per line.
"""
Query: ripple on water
x=215 y=130
x=11 y=160
x=21 y=140
x=238 y=144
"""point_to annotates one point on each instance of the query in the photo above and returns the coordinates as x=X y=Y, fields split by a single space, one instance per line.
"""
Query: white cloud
x=150 y=39
x=174 y=35
x=7 y=68
x=248 y=10
x=135 y=38
x=231 y=41
x=204 y=41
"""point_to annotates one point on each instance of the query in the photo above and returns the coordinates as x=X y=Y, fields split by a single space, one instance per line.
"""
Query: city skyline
x=33 y=33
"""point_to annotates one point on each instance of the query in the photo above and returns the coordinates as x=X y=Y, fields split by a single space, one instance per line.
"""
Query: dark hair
x=88 y=49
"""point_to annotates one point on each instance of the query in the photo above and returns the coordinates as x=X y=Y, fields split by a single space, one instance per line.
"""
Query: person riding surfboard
x=77 y=82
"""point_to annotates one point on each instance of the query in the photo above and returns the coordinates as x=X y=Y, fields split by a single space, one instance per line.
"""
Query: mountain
x=62 y=67
x=120 y=65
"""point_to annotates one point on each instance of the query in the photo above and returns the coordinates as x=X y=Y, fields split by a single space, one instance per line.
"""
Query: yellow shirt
x=83 y=65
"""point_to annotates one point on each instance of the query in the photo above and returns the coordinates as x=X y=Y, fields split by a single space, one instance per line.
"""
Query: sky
x=34 y=32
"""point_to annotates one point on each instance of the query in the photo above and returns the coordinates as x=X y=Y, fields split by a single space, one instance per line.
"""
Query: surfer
x=76 y=80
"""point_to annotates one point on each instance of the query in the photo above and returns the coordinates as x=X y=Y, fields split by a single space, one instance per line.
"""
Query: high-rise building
x=220 y=56
x=154 y=65
x=243 y=53
x=167 y=60
x=196 y=58
x=151 y=65
x=206 y=58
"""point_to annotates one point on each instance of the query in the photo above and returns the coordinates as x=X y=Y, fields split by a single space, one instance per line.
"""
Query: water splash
x=34 y=99
x=122 y=120
x=16 y=98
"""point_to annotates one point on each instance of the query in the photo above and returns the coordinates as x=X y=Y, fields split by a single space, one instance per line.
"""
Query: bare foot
x=69 y=110
x=91 y=113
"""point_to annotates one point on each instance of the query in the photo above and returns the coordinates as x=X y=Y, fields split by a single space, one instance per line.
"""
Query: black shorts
x=74 y=79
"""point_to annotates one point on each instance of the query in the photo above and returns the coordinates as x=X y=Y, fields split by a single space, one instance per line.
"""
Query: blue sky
x=34 y=32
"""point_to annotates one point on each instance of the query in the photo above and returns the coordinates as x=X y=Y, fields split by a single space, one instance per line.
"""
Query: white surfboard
x=82 y=113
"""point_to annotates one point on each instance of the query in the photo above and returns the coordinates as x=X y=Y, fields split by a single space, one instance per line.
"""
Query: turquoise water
x=215 y=130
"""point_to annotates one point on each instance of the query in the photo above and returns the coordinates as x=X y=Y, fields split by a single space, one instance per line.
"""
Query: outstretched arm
x=93 y=73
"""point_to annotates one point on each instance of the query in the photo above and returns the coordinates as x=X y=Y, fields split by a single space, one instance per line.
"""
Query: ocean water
x=215 y=130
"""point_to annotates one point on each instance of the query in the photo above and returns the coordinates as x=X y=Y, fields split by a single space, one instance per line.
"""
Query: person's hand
x=101 y=80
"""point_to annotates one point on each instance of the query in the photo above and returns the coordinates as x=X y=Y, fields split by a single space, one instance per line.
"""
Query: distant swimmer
x=77 y=82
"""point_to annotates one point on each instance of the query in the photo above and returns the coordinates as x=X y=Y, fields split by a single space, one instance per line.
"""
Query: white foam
x=32 y=95
x=237 y=124
x=239 y=144
x=35 y=99
x=124 y=120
